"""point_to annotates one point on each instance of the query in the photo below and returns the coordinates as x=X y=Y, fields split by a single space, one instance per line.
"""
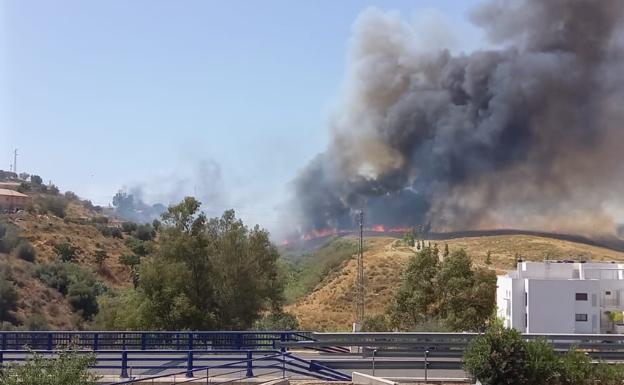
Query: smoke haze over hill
x=527 y=135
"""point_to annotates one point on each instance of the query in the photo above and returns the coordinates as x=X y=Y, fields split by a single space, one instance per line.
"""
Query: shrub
x=77 y=284
x=278 y=320
x=26 y=251
x=35 y=322
x=65 y=251
x=54 y=205
x=110 y=232
x=576 y=368
x=61 y=275
x=137 y=246
x=36 y=180
x=100 y=219
x=543 y=363
x=128 y=227
x=144 y=232
x=100 y=257
x=8 y=237
x=70 y=195
x=375 y=323
x=8 y=299
x=83 y=299
x=130 y=259
x=68 y=368
x=497 y=357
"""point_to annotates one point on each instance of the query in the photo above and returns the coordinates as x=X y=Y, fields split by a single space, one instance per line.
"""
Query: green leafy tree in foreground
x=450 y=293
x=69 y=368
x=203 y=274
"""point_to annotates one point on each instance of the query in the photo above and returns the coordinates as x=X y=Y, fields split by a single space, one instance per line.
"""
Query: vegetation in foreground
x=501 y=356
x=203 y=274
x=441 y=294
x=68 y=368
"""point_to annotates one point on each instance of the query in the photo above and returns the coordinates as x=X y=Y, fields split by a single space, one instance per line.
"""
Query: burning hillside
x=524 y=136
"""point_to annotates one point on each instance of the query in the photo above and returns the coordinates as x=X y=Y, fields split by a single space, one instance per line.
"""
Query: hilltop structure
x=11 y=200
x=562 y=297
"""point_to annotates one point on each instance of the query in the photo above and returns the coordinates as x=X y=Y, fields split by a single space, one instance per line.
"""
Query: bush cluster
x=55 y=205
x=25 y=251
x=502 y=356
x=8 y=237
x=77 y=284
x=110 y=232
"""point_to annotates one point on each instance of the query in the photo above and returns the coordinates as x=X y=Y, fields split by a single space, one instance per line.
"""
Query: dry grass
x=45 y=231
x=330 y=307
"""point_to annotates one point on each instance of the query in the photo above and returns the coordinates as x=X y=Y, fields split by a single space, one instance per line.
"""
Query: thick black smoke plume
x=530 y=135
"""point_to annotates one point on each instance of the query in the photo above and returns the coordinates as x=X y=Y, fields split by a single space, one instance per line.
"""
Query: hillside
x=330 y=306
x=79 y=225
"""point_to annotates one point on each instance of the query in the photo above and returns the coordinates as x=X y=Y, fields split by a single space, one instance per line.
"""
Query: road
x=146 y=364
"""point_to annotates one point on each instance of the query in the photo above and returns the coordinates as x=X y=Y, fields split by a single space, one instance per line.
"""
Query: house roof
x=6 y=192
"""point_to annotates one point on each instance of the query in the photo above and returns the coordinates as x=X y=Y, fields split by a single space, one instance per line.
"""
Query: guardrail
x=189 y=362
x=149 y=340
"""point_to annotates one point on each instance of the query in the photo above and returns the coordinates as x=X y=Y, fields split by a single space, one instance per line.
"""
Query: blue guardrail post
x=249 y=364
x=124 y=364
x=189 y=364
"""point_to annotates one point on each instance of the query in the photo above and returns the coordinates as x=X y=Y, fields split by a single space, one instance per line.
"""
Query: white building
x=561 y=297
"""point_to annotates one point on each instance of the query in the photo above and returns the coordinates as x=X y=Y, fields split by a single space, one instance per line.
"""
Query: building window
x=581 y=296
x=580 y=317
x=526 y=299
x=607 y=293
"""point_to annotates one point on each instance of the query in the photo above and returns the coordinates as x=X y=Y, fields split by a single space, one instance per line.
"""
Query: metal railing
x=149 y=340
x=192 y=361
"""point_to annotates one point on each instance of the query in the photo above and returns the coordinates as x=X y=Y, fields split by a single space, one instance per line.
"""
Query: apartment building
x=562 y=297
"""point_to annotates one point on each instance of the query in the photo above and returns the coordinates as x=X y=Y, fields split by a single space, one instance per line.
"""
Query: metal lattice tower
x=359 y=298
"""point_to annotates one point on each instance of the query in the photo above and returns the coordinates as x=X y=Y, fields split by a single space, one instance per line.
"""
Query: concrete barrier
x=365 y=379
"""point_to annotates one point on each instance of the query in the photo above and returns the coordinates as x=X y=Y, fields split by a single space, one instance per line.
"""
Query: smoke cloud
x=145 y=201
x=529 y=135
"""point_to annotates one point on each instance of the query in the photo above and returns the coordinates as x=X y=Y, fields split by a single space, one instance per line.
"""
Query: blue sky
x=98 y=94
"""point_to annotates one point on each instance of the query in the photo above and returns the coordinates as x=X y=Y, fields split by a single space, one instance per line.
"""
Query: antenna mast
x=359 y=313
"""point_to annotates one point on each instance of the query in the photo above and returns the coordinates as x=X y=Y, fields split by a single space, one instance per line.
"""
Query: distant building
x=10 y=185
x=562 y=297
x=12 y=200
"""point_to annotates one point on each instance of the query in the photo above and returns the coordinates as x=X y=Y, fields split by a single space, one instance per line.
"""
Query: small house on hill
x=12 y=200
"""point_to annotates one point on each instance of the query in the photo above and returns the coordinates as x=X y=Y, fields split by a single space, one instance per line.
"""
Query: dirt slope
x=330 y=306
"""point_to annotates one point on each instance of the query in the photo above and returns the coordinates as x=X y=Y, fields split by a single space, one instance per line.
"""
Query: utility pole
x=359 y=313
x=15 y=161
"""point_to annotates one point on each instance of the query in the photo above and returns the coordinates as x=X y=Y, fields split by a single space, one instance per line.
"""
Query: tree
x=36 y=180
x=100 y=257
x=497 y=357
x=416 y=299
x=68 y=368
x=208 y=273
x=65 y=251
x=451 y=294
x=488 y=258
x=446 y=250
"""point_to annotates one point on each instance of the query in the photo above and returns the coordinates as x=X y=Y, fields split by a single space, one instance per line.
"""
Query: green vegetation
x=8 y=237
x=55 y=205
x=68 y=368
x=8 y=298
x=65 y=251
x=25 y=251
x=76 y=283
x=204 y=274
x=278 y=320
x=375 y=323
x=501 y=356
x=449 y=293
x=305 y=272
